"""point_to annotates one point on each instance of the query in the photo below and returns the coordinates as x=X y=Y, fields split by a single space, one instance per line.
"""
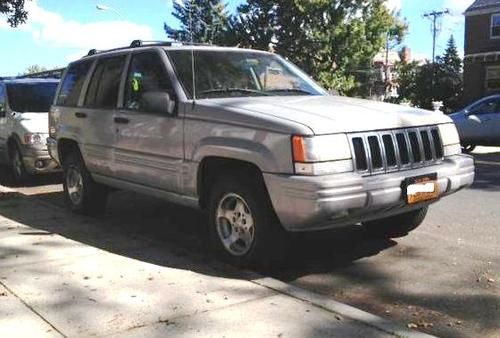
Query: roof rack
x=48 y=74
x=144 y=43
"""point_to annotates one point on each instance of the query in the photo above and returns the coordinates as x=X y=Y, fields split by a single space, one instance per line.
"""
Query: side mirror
x=158 y=102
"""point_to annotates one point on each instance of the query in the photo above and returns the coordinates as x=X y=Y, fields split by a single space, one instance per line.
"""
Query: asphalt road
x=444 y=278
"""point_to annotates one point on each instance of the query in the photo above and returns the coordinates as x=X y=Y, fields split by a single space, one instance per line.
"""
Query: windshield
x=31 y=97
x=224 y=73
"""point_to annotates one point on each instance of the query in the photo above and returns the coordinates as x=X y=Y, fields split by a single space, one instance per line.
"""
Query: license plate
x=421 y=188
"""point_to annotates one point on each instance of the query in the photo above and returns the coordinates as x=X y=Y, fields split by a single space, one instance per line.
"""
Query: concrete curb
x=314 y=299
x=340 y=308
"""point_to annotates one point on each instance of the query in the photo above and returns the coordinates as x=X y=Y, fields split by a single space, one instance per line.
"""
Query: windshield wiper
x=232 y=90
x=290 y=90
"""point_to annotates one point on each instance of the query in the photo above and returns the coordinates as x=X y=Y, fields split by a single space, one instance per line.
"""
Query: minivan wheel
x=19 y=173
x=244 y=229
x=396 y=226
x=468 y=148
x=82 y=194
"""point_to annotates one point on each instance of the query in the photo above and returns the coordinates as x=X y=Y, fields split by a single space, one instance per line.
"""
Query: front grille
x=393 y=150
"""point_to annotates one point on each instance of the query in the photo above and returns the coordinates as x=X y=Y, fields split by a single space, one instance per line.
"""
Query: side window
x=72 y=84
x=487 y=107
x=146 y=75
x=105 y=83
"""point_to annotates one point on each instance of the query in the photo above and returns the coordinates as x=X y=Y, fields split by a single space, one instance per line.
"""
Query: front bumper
x=37 y=160
x=305 y=203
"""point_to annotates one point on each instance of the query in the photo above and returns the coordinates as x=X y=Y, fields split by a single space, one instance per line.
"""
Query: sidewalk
x=97 y=281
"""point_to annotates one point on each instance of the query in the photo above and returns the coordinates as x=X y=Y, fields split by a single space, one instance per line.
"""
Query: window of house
x=493 y=78
x=495 y=25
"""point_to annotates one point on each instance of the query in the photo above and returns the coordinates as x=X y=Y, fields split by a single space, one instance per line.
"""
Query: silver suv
x=251 y=139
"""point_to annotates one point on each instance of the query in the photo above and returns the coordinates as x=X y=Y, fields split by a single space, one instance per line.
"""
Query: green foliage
x=441 y=81
x=34 y=69
x=14 y=10
x=333 y=40
x=207 y=20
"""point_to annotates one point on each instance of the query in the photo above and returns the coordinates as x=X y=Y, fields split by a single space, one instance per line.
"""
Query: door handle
x=81 y=115
x=122 y=120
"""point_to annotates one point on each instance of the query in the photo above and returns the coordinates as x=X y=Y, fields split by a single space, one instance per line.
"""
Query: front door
x=149 y=149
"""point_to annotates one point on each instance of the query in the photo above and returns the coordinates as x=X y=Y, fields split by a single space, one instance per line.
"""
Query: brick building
x=482 y=50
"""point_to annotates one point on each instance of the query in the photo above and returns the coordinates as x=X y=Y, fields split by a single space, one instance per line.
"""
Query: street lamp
x=109 y=9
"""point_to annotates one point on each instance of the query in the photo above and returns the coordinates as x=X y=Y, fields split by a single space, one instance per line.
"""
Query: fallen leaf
x=412 y=325
x=491 y=280
x=337 y=317
x=3 y=294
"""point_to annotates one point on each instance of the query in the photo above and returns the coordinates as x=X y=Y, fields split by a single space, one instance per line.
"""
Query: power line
x=434 y=16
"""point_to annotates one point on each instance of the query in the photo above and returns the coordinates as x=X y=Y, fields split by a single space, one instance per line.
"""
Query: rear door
x=97 y=111
x=149 y=148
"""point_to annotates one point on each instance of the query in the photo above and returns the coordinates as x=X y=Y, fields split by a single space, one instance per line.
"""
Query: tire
x=18 y=170
x=468 y=148
x=82 y=195
x=396 y=226
x=243 y=227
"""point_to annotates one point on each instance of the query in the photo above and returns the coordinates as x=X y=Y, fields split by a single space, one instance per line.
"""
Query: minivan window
x=146 y=75
x=31 y=97
x=105 y=83
x=73 y=83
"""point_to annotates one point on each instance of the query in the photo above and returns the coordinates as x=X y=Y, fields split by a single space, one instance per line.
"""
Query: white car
x=24 y=106
x=479 y=123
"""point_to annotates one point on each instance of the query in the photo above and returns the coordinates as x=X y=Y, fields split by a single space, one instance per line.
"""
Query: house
x=482 y=50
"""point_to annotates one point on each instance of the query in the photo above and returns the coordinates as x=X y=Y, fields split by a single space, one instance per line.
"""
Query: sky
x=58 y=32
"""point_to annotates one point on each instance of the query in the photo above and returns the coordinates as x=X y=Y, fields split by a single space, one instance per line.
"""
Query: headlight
x=450 y=139
x=35 y=138
x=449 y=134
x=321 y=155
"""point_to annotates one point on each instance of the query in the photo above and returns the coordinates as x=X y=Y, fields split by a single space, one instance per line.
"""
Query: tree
x=450 y=58
x=335 y=41
x=34 y=69
x=14 y=10
x=203 y=21
x=416 y=82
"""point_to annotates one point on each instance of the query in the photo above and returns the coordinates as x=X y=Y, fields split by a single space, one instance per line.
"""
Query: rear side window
x=105 y=83
x=73 y=83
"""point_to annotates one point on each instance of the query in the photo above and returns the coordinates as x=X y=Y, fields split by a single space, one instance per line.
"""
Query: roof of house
x=483 y=4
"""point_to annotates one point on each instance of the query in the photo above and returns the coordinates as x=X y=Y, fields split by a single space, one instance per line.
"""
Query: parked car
x=252 y=140
x=24 y=108
x=479 y=123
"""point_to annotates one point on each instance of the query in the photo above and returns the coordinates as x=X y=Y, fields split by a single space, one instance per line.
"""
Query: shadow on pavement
x=487 y=172
x=33 y=181
x=158 y=229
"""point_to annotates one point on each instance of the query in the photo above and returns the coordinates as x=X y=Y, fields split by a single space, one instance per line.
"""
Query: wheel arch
x=211 y=167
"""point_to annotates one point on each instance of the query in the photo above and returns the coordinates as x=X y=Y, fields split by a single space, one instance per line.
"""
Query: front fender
x=237 y=149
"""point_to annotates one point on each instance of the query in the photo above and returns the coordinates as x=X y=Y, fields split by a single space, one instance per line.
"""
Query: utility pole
x=434 y=16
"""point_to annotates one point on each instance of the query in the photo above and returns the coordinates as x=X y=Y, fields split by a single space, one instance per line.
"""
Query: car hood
x=334 y=114
x=33 y=122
